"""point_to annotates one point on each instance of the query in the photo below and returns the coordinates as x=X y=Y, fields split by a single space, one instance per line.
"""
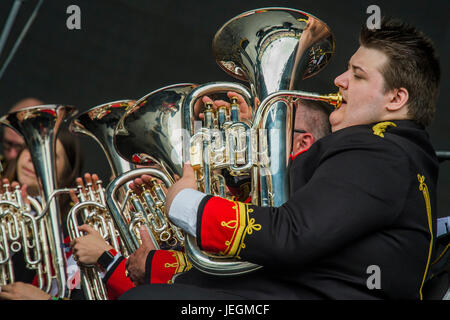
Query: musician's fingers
x=136 y=186
x=79 y=182
x=94 y=181
x=73 y=196
x=2 y=188
x=131 y=185
x=14 y=184
x=232 y=94
x=148 y=180
x=221 y=103
x=80 y=185
x=88 y=178
x=206 y=99
x=5 y=185
x=244 y=108
x=24 y=193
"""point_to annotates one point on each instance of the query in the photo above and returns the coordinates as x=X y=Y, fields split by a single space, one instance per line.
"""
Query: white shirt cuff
x=183 y=211
x=443 y=226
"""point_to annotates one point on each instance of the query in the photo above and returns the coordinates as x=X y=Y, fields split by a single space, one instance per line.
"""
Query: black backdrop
x=128 y=48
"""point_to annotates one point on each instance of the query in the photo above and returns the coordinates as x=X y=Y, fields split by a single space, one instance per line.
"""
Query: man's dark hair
x=412 y=64
x=315 y=116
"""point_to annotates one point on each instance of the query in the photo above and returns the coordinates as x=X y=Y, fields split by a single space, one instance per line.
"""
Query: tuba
x=273 y=49
x=39 y=127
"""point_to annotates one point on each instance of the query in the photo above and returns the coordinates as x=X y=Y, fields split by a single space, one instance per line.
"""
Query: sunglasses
x=299 y=131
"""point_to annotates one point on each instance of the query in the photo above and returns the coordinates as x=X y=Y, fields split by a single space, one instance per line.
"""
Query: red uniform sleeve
x=116 y=280
x=162 y=265
x=231 y=223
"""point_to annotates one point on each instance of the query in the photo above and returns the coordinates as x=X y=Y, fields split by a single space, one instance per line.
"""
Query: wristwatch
x=106 y=258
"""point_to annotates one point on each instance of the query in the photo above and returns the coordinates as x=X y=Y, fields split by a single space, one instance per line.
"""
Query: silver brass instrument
x=126 y=209
x=98 y=123
x=146 y=210
x=153 y=128
x=91 y=209
x=39 y=127
x=273 y=49
x=20 y=230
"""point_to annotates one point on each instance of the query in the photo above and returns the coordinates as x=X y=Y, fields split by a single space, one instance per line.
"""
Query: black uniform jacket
x=359 y=223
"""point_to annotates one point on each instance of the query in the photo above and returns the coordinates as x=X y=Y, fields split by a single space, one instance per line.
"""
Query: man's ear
x=398 y=98
x=302 y=142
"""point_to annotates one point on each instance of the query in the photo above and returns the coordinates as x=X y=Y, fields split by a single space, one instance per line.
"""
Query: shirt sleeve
x=183 y=211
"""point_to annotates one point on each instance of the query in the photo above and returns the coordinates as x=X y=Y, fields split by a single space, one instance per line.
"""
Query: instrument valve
x=234 y=110
x=209 y=115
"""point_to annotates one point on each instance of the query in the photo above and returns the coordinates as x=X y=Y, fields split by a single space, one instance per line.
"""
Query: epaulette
x=381 y=127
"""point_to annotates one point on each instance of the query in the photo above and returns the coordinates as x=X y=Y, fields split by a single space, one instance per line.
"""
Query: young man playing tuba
x=362 y=199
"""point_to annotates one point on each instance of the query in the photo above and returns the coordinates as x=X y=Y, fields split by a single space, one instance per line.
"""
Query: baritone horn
x=98 y=123
x=150 y=124
x=39 y=127
x=127 y=210
x=20 y=230
x=91 y=209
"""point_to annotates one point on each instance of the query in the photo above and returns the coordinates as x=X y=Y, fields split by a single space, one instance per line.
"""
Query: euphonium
x=91 y=209
x=151 y=129
x=39 y=127
x=97 y=123
x=128 y=211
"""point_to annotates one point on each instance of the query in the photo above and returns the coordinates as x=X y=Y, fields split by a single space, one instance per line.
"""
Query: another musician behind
x=12 y=142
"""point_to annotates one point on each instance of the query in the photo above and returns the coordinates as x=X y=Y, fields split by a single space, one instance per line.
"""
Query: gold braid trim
x=441 y=255
x=242 y=226
x=181 y=264
x=381 y=127
x=423 y=187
